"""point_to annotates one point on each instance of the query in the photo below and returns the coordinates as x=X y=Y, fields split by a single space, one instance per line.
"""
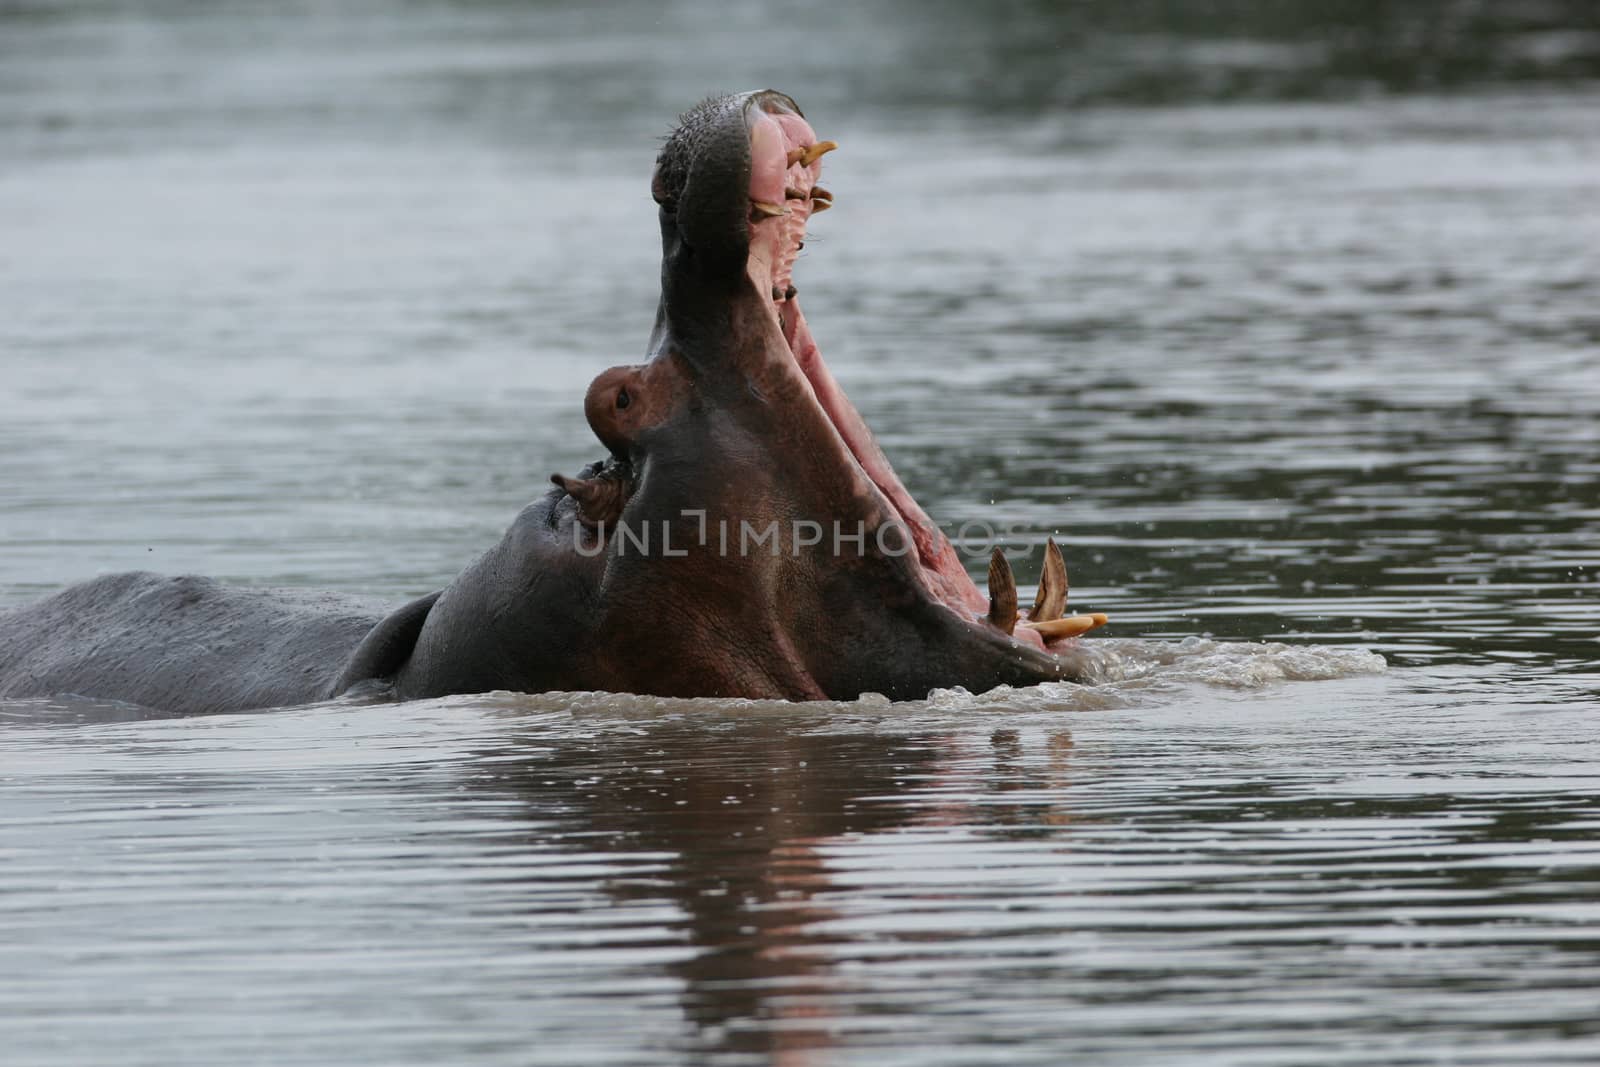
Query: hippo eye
x=623 y=400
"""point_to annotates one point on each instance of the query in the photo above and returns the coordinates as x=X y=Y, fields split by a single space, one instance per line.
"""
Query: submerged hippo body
x=184 y=644
x=744 y=536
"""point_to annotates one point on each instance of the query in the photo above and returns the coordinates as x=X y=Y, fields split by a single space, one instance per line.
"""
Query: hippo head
x=746 y=536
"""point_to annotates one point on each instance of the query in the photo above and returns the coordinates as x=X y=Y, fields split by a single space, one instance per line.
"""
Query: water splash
x=1229 y=664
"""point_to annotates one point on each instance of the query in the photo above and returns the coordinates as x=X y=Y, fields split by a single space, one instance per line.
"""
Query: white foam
x=1119 y=673
x=1226 y=664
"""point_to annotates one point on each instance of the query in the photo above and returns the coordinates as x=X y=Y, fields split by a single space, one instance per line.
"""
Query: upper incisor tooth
x=817 y=151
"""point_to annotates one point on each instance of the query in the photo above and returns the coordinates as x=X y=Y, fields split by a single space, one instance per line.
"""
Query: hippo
x=743 y=536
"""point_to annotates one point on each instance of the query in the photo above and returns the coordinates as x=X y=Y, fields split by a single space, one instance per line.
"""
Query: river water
x=1305 y=384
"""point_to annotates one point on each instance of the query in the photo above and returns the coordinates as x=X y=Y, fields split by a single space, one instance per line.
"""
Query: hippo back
x=182 y=644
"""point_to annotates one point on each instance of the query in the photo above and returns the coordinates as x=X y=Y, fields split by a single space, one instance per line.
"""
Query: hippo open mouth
x=736 y=422
x=743 y=537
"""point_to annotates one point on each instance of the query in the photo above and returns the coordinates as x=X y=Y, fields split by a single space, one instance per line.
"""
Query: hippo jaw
x=735 y=424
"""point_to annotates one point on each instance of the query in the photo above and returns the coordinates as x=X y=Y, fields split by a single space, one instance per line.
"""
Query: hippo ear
x=600 y=500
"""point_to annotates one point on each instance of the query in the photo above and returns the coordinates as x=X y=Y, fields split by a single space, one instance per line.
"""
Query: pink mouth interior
x=775 y=242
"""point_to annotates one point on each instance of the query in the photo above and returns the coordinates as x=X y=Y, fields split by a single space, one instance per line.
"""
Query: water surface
x=1304 y=382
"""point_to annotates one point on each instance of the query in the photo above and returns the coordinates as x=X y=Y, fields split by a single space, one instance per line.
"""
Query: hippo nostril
x=623 y=399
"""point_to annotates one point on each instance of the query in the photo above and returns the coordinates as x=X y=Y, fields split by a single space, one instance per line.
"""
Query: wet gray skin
x=310 y=302
x=719 y=432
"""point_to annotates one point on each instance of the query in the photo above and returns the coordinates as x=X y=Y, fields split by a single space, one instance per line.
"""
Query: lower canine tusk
x=1051 y=602
x=1002 y=593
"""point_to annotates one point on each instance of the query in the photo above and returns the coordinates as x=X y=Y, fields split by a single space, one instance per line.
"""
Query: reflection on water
x=738 y=821
x=309 y=296
x=611 y=879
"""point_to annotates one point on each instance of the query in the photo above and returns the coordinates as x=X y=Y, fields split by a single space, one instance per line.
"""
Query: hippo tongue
x=941 y=567
x=786 y=162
